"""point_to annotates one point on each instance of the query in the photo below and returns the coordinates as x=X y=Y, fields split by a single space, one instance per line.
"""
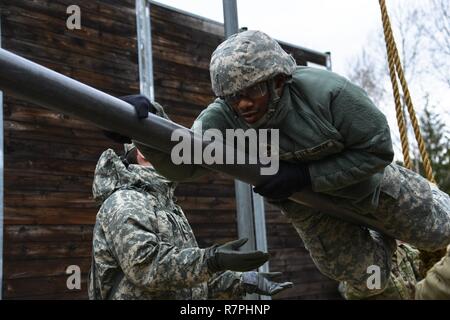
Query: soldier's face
x=252 y=103
x=252 y=109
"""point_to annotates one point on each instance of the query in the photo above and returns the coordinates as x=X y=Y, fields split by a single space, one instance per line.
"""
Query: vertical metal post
x=260 y=232
x=244 y=203
x=329 y=65
x=260 y=226
x=230 y=17
x=1 y=177
x=244 y=214
x=249 y=206
x=144 y=37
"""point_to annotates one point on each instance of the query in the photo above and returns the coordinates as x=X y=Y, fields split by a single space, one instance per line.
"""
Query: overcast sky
x=340 y=27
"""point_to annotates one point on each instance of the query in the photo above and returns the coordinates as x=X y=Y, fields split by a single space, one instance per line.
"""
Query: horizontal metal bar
x=31 y=82
x=322 y=55
x=186 y=13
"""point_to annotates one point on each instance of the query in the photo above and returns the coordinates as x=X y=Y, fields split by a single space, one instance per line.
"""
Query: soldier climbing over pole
x=334 y=140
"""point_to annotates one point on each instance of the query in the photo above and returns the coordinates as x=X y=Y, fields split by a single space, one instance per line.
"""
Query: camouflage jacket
x=143 y=246
x=324 y=120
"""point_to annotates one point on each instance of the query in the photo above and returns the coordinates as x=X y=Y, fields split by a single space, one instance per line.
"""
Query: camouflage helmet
x=245 y=59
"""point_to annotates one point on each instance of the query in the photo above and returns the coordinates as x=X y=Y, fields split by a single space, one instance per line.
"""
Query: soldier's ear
x=140 y=155
x=140 y=159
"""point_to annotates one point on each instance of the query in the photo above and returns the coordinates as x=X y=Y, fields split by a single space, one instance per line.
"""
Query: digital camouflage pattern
x=245 y=59
x=413 y=209
x=436 y=285
x=405 y=273
x=409 y=207
x=143 y=246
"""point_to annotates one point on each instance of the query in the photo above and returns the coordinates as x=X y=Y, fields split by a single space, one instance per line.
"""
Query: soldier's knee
x=363 y=276
x=373 y=285
x=436 y=237
x=377 y=280
x=429 y=229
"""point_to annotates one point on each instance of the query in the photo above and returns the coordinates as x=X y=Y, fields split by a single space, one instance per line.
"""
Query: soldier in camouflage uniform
x=334 y=140
x=144 y=248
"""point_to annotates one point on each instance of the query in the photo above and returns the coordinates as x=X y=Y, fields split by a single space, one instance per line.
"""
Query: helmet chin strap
x=274 y=98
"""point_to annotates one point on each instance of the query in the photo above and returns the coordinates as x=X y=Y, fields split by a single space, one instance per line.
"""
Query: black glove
x=289 y=179
x=261 y=283
x=227 y=257
x=141 y=104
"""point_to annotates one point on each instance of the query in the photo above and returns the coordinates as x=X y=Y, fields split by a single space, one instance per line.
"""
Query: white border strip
x=1 y=180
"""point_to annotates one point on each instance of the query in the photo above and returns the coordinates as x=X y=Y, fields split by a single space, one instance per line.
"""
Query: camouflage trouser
x=413 y=210
x=405 y=273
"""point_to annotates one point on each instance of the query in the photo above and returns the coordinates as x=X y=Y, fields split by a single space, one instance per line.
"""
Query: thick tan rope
x=396 y=69
x=398 y=106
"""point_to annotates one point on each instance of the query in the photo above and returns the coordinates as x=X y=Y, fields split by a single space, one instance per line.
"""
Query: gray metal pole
x=249 y=207
x=244 y=203
x=260 y=225
x=31 y=82
x=260 y=232
x=34 y=83
x=144 y=37
x=230 y=17
x=244 y=214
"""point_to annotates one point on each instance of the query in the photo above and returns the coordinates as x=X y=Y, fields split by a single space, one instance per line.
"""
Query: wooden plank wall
x=50 y=157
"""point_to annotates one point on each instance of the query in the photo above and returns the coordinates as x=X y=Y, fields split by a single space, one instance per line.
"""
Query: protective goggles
x=254 y=92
